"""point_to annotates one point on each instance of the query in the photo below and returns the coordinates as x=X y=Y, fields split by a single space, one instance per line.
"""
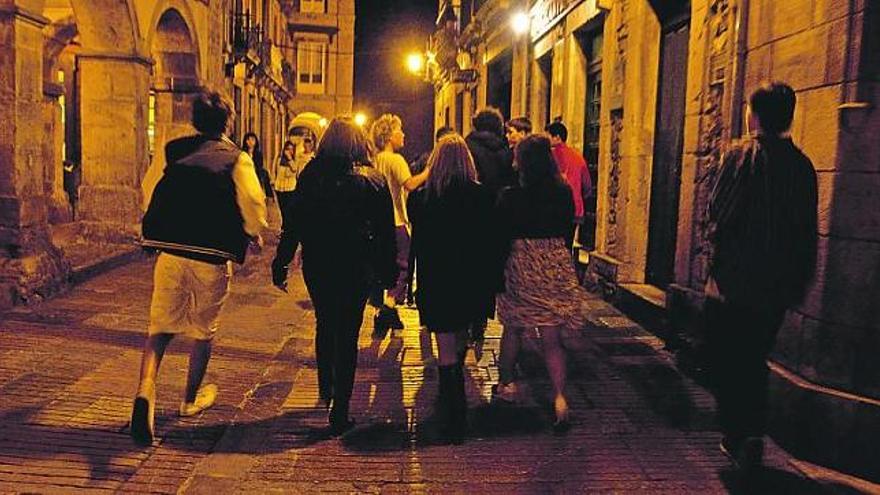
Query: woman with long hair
x=541 y=290
x=251 y=145
x=341 y=213
x=284 y=175
x=451 y=221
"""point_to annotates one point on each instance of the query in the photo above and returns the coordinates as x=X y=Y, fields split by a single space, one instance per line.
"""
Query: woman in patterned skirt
x=541 y=289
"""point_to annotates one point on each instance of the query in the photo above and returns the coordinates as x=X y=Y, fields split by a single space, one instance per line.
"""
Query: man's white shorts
x=188 y=296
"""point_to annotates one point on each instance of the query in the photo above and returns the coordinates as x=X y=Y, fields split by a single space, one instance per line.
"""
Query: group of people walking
x=487 y=220
x=477 y=220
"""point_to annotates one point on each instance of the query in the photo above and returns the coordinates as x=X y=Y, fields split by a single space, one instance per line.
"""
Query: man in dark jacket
x=494 y=162
x=763 y=229
x=342 y=214
x=492 y=155
x=205 y=207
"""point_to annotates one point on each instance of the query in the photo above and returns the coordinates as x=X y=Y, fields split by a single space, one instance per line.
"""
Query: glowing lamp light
x=415 y=63
x=323 y=122
x=520 y=23
x=360 y=119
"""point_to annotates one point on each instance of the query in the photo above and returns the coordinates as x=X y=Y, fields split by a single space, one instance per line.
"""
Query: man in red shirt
x=574 y=170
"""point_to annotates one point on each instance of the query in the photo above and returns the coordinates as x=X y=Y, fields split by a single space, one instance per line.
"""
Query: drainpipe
x=739 y=76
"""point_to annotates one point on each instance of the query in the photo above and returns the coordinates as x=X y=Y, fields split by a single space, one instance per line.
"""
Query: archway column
x=114 y=91
x=28 y=260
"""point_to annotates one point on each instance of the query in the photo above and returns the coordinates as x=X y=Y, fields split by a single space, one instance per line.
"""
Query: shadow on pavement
x=768 y=481
x=107 y=451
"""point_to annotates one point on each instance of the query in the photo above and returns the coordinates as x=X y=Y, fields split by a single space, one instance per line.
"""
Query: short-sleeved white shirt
x=396 y=171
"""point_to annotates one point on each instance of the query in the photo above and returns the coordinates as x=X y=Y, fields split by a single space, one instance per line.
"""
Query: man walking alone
x=205 y=208
x=763 y=229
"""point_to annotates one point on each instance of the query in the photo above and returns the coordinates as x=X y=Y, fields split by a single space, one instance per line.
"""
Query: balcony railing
x=247 y=40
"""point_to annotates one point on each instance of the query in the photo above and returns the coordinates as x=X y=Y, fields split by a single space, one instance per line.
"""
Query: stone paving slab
x=68 y=371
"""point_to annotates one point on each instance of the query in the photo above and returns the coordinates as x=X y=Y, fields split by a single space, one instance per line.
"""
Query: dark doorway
x=498 y=83
x=591 y=45
x=668 y=144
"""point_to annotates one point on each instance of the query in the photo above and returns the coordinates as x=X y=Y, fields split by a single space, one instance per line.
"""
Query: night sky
x=385 y=32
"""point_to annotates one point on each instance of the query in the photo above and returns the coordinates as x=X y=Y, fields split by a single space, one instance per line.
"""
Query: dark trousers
x=283 y=200
x=398 y=292
x=738 y=340
x=339 y=310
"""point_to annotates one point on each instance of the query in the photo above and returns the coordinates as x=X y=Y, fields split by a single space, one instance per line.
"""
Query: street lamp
x=415 y=63
x=360 y=119
x=520 y=22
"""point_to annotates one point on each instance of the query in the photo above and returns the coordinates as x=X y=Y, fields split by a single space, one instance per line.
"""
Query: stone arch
x=166 y=19
x=173 y=47
x=106 y=25
x=174 y=51
x=100 y=45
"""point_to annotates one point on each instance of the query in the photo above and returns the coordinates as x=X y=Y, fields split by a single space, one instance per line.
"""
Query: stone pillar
x=113 y=116
x=28 y=261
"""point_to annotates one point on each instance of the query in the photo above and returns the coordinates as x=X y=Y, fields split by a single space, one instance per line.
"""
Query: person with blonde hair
x=452 y=237
x=341 y=212
x=388 y=138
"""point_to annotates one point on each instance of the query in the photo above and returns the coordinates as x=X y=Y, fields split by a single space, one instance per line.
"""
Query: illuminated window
x=312 y=6
x=62 y=104
x=151 y=122
x=311 y=61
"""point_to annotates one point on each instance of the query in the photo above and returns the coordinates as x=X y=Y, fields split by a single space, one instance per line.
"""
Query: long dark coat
x=453 y=242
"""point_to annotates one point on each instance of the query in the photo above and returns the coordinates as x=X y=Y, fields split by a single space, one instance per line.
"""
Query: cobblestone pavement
x=68 y=371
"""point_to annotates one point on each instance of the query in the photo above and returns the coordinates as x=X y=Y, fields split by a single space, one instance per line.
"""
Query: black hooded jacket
x=493 y=160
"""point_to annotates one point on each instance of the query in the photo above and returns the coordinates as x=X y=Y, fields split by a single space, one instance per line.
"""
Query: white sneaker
x=205 y=398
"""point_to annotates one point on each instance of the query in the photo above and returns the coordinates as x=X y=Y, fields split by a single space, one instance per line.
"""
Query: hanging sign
x=546 y=13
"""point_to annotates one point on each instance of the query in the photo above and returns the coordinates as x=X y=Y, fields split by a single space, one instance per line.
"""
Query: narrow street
x=68 y=371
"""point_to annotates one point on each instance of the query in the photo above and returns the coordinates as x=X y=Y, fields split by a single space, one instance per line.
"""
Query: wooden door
x=668 y=145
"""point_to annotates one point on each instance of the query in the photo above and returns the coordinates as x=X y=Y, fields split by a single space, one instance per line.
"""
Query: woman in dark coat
x=451 y=220
x=342 y=215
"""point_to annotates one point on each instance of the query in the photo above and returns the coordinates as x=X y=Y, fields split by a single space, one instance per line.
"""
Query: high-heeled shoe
x=562 y=423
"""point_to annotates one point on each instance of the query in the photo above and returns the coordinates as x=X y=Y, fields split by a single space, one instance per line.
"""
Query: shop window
x=311 y=65
x=459 y=112
x=151 y=123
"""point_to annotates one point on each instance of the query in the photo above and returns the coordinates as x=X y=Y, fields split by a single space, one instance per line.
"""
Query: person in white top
x=286 y=170
x=388 y=138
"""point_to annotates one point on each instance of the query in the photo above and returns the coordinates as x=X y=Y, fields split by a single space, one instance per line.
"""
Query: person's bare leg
x=154 y=350
x=199 y=356
x=510 y=345
x=554 y=358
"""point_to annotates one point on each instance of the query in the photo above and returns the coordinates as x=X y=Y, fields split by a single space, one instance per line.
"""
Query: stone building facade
x=97 y=87
x=651 y=92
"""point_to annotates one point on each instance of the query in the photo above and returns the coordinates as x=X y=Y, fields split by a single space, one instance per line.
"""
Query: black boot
x=394 y=319
x=452 y=403
x=381 y=324
x=338 y=419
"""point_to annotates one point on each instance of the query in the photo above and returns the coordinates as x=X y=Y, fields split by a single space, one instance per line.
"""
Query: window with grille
x=312 y=6
x=311 y=61
x=593 y=50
